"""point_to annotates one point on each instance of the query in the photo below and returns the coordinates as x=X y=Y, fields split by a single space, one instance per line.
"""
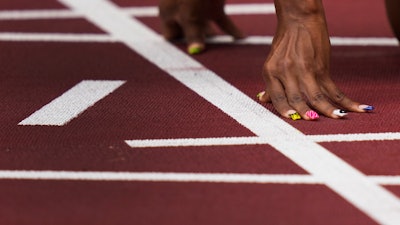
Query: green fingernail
x=295 y=116
x=194 y=50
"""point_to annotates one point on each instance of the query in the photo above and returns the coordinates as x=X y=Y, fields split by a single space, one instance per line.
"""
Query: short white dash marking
x=72 y=103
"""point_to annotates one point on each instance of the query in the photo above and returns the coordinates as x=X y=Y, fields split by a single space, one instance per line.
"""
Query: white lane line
x=159 y=177
x=335 y=41
x=386 y=136
x=374 y=200
x=301 y=179
x=72 y=103
x=223 y=141
x=153 y=143
x=375 y=41
x=251 y=8
x=38 y=14
x=144 y=11
x=231 y=9
x=386 y=180
x=56 y=37
x=222 y=39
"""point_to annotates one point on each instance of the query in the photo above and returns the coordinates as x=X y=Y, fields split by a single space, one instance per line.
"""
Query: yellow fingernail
x=194 y=50
x=295 y=116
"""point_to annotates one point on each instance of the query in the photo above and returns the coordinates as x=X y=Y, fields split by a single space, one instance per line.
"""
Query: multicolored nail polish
x=259 y=95
x=194 y=50
x=340 y=112
x=295 y=116
x=367 y=108
x=312 y=115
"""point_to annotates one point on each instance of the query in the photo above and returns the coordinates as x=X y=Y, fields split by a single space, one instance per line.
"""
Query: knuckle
x=288 y=63
x=317 y=98
x=271 y=68
x=321 y=69
x=278 y=66
x=295 y=99
x=314 y=66
x=278 y=98
x=339 y=96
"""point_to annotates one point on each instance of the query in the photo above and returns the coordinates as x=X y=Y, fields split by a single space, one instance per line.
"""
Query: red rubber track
x=153 y=105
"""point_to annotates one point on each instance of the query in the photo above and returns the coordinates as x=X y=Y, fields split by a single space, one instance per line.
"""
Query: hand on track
x=190 y=19
x=296 y=71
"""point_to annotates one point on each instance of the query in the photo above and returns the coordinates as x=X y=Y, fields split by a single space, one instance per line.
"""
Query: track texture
x=84 y=170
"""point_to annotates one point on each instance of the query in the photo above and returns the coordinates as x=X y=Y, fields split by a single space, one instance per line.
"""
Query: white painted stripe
x=178 y=177
x=387 y=136
x=250 y=8
x=55 y=37
x=377 y=41
x=144 y=11
x=220 y=141
x=159 y=177
x=151 y=143
x=222 y=39
x=374 y=200
x=335 y=41
x=72 y=103
x=386 y=180
x=231 y=9
x=38 y=14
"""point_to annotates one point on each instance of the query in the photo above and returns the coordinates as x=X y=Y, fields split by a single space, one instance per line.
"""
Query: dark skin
x=393 y=12
x=296 y=71
x=190 y=19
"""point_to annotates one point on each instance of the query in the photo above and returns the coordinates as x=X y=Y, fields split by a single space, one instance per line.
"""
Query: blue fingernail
x=369 y=108
x=366 y=107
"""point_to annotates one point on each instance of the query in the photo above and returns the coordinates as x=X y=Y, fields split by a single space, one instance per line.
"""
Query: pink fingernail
x=312 y=115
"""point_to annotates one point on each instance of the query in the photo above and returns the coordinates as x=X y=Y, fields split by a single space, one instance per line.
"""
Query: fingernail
x=295 y=115
x=259 y=95
x=194 y=50
x=340 y=112
x=366 y=107
x=312 y=115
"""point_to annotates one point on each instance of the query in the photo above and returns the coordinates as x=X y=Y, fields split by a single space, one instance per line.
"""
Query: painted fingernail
x=366 y=107
x=259 y=95
x=340 y=112
x=295 y=116
x=194 y=50
x=312 y=115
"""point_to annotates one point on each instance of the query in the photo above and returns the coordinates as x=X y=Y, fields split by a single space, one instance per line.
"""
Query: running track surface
x=102 y=122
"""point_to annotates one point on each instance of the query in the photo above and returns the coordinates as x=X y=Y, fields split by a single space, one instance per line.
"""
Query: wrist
x=296 y=10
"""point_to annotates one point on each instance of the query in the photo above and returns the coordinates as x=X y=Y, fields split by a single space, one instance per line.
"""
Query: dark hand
x=296 y=71
x=190 y=19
